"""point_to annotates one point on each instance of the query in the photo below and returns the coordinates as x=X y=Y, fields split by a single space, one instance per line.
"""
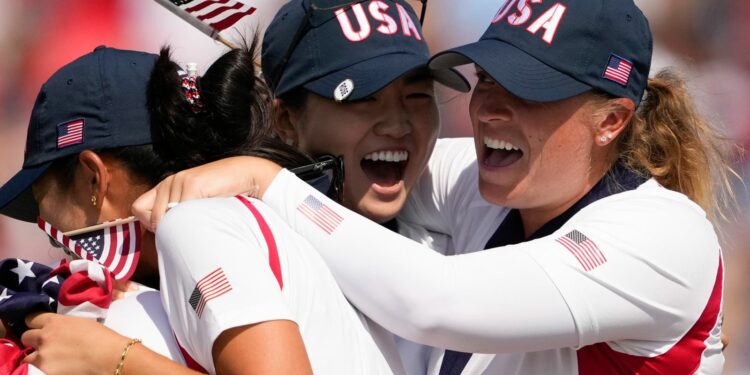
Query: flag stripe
x=570 y=245
x=204 y=4
x=219 y=10
x=321 y=221
x=229 y=21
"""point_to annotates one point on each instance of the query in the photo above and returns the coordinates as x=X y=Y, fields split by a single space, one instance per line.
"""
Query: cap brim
x=518 y=72
x=16 y=198
x=370 y=76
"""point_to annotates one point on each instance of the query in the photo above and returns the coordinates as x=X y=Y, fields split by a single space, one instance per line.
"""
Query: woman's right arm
x=60 y=348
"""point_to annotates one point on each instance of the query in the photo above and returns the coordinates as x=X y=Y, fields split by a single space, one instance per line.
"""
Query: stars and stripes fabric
x=320 y=214
x=77 y=288
x=211 y=286
x=216 y=14
x=618 y=70
x=585 y=251
x=116 y=247
x=70 y=133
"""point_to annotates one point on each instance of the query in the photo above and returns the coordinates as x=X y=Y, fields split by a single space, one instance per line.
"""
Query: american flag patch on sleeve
x=583 y=249
x=320 y=214
x=211 y=286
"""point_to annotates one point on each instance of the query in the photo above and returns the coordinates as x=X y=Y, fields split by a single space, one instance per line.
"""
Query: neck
x=534 y=218
x=147 y=271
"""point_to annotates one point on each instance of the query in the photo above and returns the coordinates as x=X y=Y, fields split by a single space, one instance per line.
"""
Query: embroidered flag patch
x=618 y=70
x=320 y=214
x=583 y=249
x=70 y=133
x=211 y=286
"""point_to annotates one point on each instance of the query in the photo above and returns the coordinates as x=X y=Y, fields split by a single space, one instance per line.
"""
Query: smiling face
x=537 y=157
x=385 y=139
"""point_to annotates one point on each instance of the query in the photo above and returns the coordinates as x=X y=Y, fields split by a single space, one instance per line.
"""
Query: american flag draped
x=78 y=288
x=116 y=247
x=209 y=16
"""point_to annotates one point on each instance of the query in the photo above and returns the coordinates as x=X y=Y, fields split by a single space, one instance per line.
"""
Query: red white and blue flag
x=618 y=70
x=211 y=286
x=77 y=288
x=116 y=247
x=70 y=133
x=583 y=249
x=320 y=214
x=212 y=16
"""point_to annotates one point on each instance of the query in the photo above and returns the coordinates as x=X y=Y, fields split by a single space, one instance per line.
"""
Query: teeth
x=499 y=145
x=392 y=156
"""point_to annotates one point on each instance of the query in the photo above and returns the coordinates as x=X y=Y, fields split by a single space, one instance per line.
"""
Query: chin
x=494 y=194
x=380 y=211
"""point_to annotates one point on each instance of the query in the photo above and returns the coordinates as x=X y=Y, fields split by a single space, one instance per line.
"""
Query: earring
x=289 y=141
x=603 y=139
x=93 y=200
x=609 y=135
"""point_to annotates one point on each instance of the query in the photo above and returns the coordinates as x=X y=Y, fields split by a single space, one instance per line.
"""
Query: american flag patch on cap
x=618 y=70
x=70 y=133
x=583 y=249
x=320 y=214
x=211 y=286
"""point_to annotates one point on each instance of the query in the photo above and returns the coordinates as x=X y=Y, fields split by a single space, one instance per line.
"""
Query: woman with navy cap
x=365 y=93
x=597 y=189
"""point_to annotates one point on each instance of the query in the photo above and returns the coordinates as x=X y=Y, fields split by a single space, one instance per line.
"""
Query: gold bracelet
x=118 y=370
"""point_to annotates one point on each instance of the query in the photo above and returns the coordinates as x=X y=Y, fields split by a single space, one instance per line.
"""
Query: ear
x=611 y=124
x=95 y=178
x=286 y=122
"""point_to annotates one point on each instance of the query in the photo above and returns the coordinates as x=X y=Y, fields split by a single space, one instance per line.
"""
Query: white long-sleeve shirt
x=633 y=280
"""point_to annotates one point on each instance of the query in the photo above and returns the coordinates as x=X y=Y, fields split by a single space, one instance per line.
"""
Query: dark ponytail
x=233 y=119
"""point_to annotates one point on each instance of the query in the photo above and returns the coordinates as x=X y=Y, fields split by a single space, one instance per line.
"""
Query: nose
x=395 y=121
x=492 y=105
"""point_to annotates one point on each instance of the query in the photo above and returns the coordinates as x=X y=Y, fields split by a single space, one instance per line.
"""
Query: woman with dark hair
x=243 y=293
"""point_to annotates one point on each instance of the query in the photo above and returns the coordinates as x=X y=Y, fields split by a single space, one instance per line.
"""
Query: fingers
x=39 y=320
x=31 y=338
x=141 y=208
x=32 y=358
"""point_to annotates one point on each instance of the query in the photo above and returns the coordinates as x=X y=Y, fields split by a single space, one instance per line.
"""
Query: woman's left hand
x=71 y=345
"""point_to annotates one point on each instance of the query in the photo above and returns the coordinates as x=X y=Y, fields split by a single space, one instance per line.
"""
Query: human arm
x=217 y=280
x=526 y=297
x=61 y=347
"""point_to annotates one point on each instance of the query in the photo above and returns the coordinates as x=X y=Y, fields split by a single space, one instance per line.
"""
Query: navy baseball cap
x=96 y=102
x=553 y=50
x=346 y=50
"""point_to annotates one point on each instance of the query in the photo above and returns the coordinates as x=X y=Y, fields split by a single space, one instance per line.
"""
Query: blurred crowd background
x=709 y=41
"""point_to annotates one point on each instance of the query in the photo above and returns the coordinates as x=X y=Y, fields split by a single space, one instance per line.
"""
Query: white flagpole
x=100 y=226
